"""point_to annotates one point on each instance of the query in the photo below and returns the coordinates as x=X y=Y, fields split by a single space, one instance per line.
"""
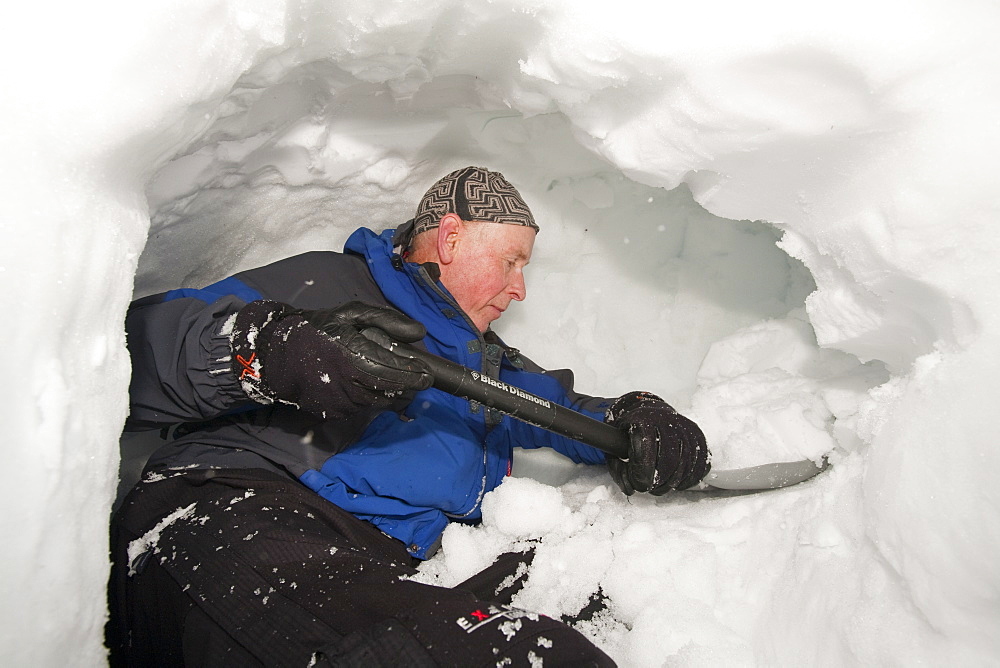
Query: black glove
x=667 y=451
x=320 y=361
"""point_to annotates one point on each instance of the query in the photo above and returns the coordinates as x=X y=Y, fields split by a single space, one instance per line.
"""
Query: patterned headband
x=472 y=193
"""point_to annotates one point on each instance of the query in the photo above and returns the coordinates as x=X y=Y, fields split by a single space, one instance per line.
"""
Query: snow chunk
x=524 y=508
x=768 y=393
x=148 y=541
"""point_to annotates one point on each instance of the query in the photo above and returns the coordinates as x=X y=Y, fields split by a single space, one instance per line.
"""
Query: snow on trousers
x=244 y=567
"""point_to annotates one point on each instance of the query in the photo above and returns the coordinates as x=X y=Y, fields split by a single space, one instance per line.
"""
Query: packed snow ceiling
x=300 y=163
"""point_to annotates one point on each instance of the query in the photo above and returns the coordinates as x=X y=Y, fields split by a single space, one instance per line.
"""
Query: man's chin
x=484 y=321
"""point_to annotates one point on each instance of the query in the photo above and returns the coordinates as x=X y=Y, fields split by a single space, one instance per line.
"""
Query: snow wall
x=863 y=133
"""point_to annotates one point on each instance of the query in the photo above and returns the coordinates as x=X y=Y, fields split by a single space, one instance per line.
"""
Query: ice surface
x=653 y=144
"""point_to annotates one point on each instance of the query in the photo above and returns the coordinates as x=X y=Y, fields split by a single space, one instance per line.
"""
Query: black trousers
x=248 y=568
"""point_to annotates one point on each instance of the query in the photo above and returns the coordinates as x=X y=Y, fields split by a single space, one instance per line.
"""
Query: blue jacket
x=408 y=471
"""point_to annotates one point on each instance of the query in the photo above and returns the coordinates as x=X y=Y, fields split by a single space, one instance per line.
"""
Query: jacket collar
x=416 y=290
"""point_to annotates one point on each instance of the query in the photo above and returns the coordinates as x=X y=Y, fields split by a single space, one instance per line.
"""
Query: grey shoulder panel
x=318 y=279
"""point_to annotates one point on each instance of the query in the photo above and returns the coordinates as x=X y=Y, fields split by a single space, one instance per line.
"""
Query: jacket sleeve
x=181 y=359
x=556 y=386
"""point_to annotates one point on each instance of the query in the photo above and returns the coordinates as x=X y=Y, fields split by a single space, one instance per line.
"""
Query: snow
x=150 y=540
x=778 y=216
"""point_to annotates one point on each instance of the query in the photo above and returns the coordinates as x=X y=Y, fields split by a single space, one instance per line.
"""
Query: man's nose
x=517 y=288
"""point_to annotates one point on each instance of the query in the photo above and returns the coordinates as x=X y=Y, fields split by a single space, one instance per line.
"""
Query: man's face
x=488 y=270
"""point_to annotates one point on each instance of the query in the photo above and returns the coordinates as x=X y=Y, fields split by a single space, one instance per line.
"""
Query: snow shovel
x=463 y=382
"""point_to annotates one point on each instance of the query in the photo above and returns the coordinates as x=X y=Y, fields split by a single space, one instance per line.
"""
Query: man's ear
x=449 y=236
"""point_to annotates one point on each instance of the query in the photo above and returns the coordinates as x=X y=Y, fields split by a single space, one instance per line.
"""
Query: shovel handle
x=463 y=382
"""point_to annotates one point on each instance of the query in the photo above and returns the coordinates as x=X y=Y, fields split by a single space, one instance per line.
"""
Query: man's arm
x=195 y=359
x=181 y=361
x=557 y=385
x=667 y=451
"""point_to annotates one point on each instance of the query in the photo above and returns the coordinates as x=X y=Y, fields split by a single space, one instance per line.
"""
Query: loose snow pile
x=778 y=216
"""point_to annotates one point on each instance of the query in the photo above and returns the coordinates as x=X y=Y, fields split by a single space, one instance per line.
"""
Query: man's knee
x=387 y=644
x=514 y=638
x=461 y=630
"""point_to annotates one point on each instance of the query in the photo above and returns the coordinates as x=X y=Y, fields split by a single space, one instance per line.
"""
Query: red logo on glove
x=247 y=369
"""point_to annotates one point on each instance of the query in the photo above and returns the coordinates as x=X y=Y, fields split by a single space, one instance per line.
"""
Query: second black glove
x=667 y=451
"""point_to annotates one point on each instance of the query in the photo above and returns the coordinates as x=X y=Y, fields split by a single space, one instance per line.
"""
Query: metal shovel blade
x=764 y=476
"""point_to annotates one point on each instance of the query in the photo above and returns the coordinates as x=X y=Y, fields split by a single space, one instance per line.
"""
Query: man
x=309 y=468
